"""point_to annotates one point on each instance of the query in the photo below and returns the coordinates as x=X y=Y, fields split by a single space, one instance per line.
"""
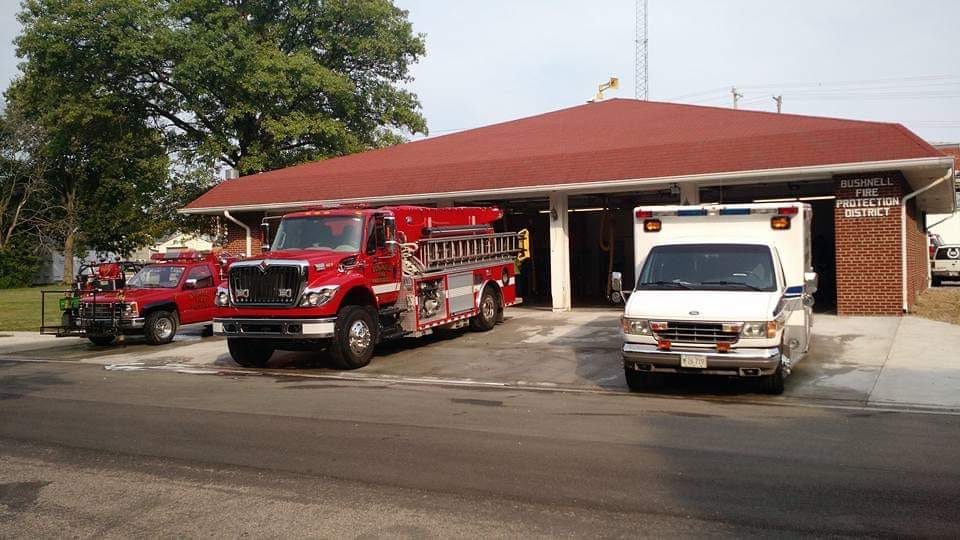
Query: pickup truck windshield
x=711 y=267
x=157 y=277
x=333 y=233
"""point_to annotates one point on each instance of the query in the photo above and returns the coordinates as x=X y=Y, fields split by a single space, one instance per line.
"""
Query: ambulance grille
x=270 y=285
x=696 y=332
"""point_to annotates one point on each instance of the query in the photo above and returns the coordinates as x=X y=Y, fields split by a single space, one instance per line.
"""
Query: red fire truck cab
x=345 y=279
x=176 y=288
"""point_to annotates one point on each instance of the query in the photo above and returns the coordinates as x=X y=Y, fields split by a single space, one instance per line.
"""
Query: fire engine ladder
x=442 y=253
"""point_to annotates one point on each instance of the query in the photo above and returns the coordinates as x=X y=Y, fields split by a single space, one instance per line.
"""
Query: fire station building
x=573 y=176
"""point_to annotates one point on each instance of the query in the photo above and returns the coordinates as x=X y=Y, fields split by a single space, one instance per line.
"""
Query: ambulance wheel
x=638 y=381
x=101 y=341
x=486 y=318
x=773 y=384
x=249 y=353
x=160 y=327
x=354 y=337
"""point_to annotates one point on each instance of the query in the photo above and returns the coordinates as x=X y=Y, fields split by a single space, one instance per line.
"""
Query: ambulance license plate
x=698 y=361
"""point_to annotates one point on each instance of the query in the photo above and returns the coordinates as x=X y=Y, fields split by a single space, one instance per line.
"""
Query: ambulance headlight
x=766 y=329
x=637 y=327
x=222 y=298
x=318 y=296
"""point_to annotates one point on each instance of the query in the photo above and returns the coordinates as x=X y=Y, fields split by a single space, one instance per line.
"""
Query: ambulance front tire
x=639 y=381
x=249 y=353
x=773 y=383
x=101 y=341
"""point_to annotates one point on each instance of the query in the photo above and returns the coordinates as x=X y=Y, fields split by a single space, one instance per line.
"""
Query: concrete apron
x=877 y=361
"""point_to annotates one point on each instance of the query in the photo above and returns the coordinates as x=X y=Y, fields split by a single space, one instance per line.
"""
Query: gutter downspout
x=226 y=214
x=903 y=234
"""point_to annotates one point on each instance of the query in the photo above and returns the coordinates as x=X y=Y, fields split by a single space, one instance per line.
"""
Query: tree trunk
x=68 y=244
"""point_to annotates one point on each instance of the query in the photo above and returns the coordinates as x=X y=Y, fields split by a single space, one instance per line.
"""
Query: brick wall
x=918 y=256
x=867 y=230
x=236 y=240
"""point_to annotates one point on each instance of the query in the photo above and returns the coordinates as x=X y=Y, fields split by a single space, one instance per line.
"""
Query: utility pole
x=736 y=96
x=641 y=82
x=779 y=100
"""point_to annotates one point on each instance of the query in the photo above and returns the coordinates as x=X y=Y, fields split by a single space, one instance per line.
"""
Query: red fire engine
x=347 y=278
x=175 y=289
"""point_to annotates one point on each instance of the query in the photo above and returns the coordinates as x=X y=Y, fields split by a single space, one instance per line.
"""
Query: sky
x=496 y=60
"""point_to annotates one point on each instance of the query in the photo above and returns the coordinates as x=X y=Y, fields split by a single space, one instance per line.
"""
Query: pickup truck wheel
x=936 y=281
x=639 y=381
x=486 y=319
x=773 y=384
x=354 y=337
x=101 y=341
x=160 y=327
x=249 y=353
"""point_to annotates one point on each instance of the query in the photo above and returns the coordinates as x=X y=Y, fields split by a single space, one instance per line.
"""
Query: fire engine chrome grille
x=89 y=310
x=266 y=284
x=696 y=332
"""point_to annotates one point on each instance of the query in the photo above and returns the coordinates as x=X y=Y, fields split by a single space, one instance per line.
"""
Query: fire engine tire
x=248 y=353
x=354 y=337
x=101 y=341
x=639 y=381
x=490 y=309
x=160 y=327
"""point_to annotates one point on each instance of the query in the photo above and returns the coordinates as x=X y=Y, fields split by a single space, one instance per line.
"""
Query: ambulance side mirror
x=616 y=285
x=811 y=281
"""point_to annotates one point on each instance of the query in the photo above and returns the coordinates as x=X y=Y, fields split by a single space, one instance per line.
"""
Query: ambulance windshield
x=333 y=233
x=709 y=267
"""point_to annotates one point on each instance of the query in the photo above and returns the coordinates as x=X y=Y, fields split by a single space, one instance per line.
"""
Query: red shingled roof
x=616 y=139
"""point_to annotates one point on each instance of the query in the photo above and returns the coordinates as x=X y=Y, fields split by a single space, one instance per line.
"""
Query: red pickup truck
x=176 y=289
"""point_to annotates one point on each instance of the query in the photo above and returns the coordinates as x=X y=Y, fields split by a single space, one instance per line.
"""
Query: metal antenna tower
x=641 y=84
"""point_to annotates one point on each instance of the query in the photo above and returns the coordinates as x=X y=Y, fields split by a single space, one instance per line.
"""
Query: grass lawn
x=20 y=308
x=940 y=304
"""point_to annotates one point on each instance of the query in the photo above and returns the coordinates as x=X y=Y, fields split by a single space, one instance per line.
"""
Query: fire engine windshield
x=715 y=267
x=334 y=233
x=157 y=277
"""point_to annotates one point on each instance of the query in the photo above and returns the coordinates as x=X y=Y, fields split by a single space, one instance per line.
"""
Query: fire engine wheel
x=490 y=308
x=160 y=327
x=354 y=337
x=248 y=353
x=101 y=341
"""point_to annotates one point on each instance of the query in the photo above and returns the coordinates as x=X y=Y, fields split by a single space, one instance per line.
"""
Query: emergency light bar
x=780 y=220
x=178 y=255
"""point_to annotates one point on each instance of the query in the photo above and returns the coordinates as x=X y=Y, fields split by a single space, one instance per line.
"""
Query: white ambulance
x=720 y=290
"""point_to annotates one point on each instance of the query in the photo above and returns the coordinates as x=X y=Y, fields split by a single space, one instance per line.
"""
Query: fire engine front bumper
x=750 y=362
x=275 y=328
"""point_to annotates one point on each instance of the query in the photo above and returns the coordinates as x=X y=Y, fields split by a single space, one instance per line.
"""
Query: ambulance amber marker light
x=663 y=345
x=788 y=211
x=723 y=346
x=780 y=223
x=644 y=213
x=651 y=225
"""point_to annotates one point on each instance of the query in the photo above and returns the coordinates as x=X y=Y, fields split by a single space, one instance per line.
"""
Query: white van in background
x=720 y=290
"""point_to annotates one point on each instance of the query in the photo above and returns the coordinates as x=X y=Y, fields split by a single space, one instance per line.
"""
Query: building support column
x=689 y=193
x=560 y=251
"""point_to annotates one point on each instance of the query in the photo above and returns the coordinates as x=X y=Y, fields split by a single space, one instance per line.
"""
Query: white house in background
x=947 y=225
x=198 y=242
